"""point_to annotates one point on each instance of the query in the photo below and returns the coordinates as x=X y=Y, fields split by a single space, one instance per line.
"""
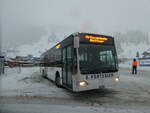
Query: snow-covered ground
x=12 y=78
x=27 y=91
x=26 y=82
x=30 y=108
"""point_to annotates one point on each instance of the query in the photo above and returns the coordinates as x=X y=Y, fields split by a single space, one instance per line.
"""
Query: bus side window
x=69 y=55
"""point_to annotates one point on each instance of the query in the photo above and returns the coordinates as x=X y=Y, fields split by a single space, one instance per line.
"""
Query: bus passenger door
x=64 y=69
x=67 y=67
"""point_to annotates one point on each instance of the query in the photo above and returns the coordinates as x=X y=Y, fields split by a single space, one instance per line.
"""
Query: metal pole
x=78 y=63
x=1 y=64
x=1 y=10
x=0 y=39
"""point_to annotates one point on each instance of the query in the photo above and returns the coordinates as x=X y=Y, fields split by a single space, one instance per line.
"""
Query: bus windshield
x=97 y=58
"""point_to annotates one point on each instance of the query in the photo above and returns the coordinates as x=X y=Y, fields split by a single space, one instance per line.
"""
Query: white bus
x=82 y=61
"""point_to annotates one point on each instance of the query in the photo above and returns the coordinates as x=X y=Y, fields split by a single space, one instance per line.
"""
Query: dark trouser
x=134 y=69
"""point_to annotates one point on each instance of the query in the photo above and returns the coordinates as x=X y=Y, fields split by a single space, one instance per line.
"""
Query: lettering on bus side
x=96 y=76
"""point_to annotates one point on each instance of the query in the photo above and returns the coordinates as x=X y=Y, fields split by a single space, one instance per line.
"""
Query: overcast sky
x=95 y=15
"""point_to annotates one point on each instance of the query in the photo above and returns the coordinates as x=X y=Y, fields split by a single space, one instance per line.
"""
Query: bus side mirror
x=76 y=42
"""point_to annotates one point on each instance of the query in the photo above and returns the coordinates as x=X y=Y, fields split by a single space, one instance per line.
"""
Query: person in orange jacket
x=134 y=66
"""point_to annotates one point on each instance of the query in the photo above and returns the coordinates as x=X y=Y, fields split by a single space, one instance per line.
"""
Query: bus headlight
x=116 y=79
x=83 y=83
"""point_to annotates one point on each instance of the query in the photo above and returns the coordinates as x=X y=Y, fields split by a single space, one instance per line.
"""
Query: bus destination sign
x=95 y=39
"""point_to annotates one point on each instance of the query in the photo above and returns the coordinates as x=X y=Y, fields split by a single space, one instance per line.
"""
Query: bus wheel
x=57 y=80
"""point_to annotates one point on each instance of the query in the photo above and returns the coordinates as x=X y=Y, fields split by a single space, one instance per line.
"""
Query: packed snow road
x=27 y=91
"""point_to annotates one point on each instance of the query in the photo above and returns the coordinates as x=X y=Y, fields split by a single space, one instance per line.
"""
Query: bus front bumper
x=85 y=85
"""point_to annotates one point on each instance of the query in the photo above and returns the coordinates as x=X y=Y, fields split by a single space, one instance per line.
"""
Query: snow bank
x=10 y=80
x=28 y=82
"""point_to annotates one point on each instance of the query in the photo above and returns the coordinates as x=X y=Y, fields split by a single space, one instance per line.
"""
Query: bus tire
x=57 y=79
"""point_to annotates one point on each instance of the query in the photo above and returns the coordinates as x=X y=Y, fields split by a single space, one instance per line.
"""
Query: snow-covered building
x=146 y=54
x=145 y=60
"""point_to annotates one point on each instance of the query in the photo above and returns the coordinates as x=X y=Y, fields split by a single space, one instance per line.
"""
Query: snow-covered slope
x=37 y=48
x=130 y=49
x=49 y=40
